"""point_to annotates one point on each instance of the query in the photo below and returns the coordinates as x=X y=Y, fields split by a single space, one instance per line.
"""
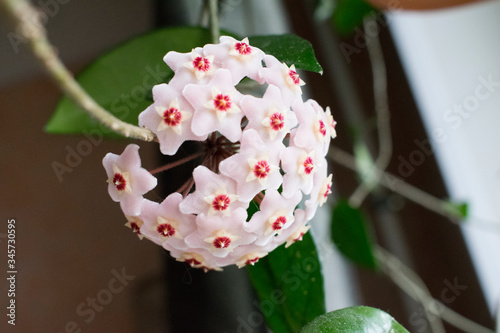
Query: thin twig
x=203 y=13
x=175 y=163
x=27 y=20
x=188 y=188
x=399 y=186
x=382 y=114
x=214 y=20
x=412 y=285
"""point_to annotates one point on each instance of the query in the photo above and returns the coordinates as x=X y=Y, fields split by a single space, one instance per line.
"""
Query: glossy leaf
x=356 y=319
x=290 y=49
x=349 y=14
x=121 y=80
x=351 y=235
x=290 y=286
x=253 y=208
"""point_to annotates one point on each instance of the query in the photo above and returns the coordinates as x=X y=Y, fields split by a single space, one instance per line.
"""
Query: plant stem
x=383 y=118
x=175 y=163
x=399 y=186
x=214 y=20
x=412 y=285
x=27 y=21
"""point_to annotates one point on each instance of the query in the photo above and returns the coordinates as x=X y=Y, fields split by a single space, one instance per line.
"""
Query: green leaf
x=290 y=286
x=463 y=209
x=290 y=49
x=349 y=14
x=121 y=80
x=354 y=319
x=351 y=235
x=253 y=208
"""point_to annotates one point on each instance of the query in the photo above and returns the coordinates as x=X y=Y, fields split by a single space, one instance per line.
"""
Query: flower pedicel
x=264 y=153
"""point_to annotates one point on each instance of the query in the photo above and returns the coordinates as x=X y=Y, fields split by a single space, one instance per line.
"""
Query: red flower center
x=135 y=228
x=322 y=128
x=119 y=181
x=261 y=169
x=327 y=191
x=279 y=223
x=201 y=64
x=166 y=230
x=222 y=242
x=172 y=117
x=277 y=121
x=221 y=202
x=193 y=262
x=243 y=48
x=252 y=261
x=308 y=165
x=299 y=237
x=294 y=76
x=222 y=102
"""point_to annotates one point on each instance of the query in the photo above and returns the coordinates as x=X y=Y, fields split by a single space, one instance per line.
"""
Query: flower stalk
x=214 y=20
x=28 y=21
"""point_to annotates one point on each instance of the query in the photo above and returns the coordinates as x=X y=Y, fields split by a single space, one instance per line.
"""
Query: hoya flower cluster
x=264 y=154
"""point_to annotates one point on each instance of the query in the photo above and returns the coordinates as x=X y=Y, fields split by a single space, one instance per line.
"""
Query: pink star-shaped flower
x=274 y=216
x=135 y=223
x=284 y=77
x=198 y=63
x=216 y=106
x=297 y=235
x=268 y=115
x=313 y=132
x=299 y=166
x=331 y=122
x=164 y=224
x=128 y=182
x=198 y=259
x=297 y=231
x=256 y=167
x=250 y=258
x=321 y=189
x=239 y=57
x=247 y=254
x=220 y=234
x=193 y=67
x=169 y=117
x=214 y=195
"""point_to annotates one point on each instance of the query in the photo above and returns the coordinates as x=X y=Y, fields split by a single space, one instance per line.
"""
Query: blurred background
x=443 y=79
